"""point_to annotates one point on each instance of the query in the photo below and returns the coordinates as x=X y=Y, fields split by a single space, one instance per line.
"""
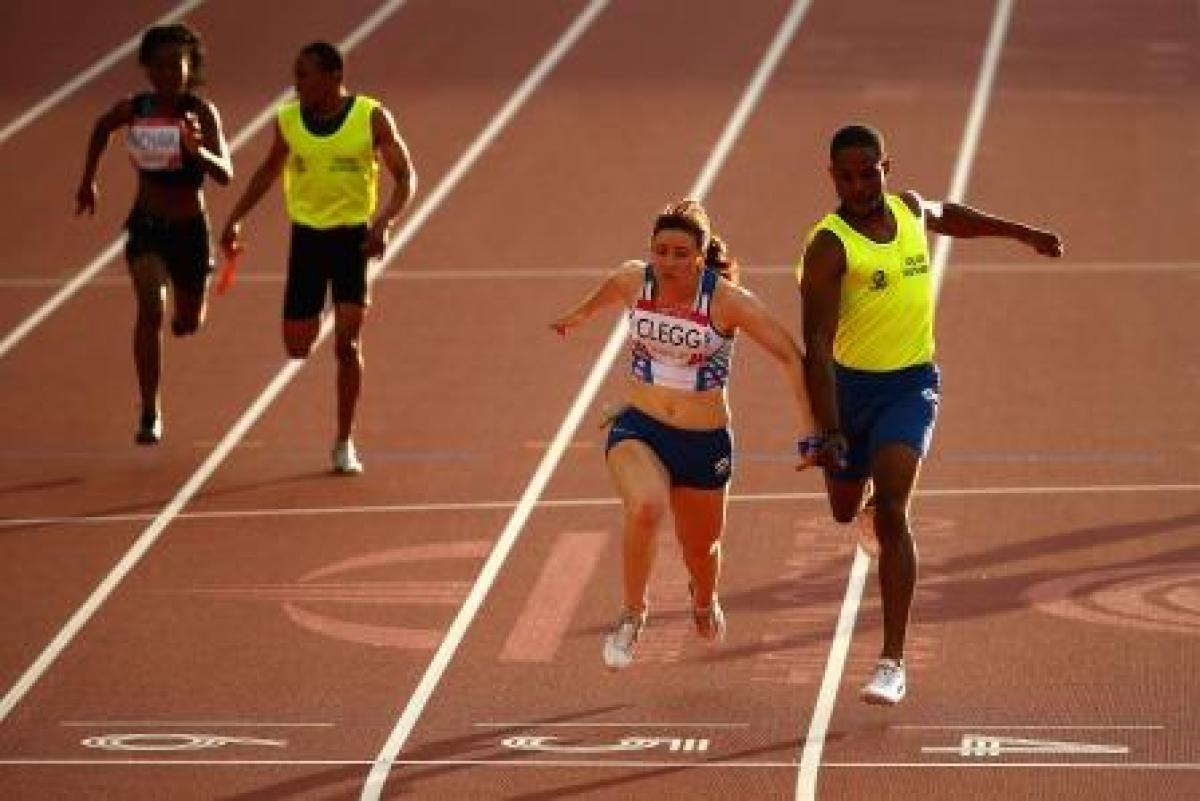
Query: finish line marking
x=595 y=763
x=983 y=745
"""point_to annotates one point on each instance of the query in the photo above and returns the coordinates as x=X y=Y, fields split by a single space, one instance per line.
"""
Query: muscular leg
x=190 y=309
x=303 y=295
x=894 y=471
x=846 y=497
x=347 y=331
x=149 y=276
x=299 y=336
x=699 y=522
x=644 y=487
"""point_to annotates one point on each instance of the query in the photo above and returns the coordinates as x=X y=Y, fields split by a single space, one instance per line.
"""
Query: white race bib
x=155 y=143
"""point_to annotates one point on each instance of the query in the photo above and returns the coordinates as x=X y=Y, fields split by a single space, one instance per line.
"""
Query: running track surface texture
x=220 y=618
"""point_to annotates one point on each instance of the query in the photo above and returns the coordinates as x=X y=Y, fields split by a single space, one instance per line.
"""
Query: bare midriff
x=680 y=408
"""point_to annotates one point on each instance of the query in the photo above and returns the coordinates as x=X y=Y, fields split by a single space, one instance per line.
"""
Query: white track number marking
x=983 y=745
x=172 y=742
x=538 y=743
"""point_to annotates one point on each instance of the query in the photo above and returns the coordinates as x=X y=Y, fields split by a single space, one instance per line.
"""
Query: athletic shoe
x=887 y=685
x=868 y=539
x=710 y=620
x=345 y=459
x=149 y=430
x=619 y=645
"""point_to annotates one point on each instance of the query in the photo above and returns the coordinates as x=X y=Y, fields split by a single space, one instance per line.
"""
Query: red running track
x=244 y=626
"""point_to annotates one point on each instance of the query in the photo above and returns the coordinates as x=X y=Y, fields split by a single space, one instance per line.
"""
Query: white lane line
x=988 y=727
x=839 y=649
x=1060 y=267
x=637 y=724
x=562 y=438
x=970 y=141
x=153 y=724
x=1082 y=764
x=806 y=780
x=259 y=406
x=621 y=764
x=158 y=763
x=574 y=503
x=114 y=248
x=82 y=78
x=439 y=274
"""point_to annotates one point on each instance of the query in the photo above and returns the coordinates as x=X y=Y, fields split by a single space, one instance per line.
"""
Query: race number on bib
x=155 y=144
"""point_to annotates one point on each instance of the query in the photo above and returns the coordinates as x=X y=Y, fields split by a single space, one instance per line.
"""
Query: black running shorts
x=319 y=258
x=183 y=245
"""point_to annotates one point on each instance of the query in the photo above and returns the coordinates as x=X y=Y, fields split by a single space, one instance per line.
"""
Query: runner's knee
x=891 y=517
x=843 y=513
x=845 y=499
x=700 y=548
x=183 y=328
x=646 y=512
x=189 y=313
x=186 y=323
x=298 y=350
x=298 y=346
x=299 y=337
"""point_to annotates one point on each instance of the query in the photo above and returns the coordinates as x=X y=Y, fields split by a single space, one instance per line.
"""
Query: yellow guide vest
x=330 y=181
x=885 y=320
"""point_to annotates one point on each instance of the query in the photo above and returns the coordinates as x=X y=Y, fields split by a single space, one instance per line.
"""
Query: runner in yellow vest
x=868 y=293
x=328 y=144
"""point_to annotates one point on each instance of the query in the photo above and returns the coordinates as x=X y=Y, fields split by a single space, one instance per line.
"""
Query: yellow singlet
x=330 y=180
x=885 y=320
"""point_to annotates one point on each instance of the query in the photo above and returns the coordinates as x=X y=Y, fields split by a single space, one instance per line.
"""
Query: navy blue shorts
x=324 y=258
x=701 y=459
x=882 y=408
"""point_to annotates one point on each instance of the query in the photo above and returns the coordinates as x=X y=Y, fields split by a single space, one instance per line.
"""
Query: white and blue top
x=678 y=347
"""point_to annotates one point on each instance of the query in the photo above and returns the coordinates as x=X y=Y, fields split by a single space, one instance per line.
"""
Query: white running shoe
x=619 y=645
x=345 y=459
x=868 y=540
x=887 y=685
x=710 y=620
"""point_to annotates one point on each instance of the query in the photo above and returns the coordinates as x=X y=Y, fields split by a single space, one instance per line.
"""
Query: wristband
x=809 y=446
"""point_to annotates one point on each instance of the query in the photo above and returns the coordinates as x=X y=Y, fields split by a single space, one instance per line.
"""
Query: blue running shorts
x=701 y=459
x=882 y=408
